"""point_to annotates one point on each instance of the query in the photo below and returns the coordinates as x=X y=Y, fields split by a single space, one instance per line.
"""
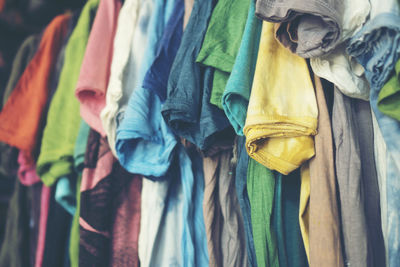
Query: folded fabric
x=95 y=70
x=343 y=71
x=221 y=43
x=125 y=73
x=65 y=194
x=222 y=215
x=389 y=96
x=308 y=29
x=282 y=112
x=243 y=197
x=20 y=117
x=338 y=67
x=235 y=98
x=261 y=186
x=324 y=225
x=187 y=109
x=377 y=48
x=56 y=153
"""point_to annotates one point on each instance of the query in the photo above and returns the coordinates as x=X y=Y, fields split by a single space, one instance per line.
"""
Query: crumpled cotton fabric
x=377 y=48
x=222 y=216
x=307 y=28
x=127 y=58
x=92 y=84
x=237 y=91
x=57 y=148
x=282 y=113
x=340 y=68
x=324 y=224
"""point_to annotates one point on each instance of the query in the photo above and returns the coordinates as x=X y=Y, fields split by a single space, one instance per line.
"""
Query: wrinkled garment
x=92 y=83
x=377 y=48
x=136 y=134
x=338 y=67
x=308 y=29
x=237 y=91
x=282 y=112
x=389 y=96
x=357 y=180
x=243 y=197
x=222 y=215
x=260 y=187
x=187 y=109
x=324 y=222
x=221 y=43
x=156 y=78
x=127 y=58
x=344 y=71
x=21 y=116
x=58 y=143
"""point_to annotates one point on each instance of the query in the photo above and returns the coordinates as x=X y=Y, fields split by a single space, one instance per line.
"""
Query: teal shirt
x=237 y=91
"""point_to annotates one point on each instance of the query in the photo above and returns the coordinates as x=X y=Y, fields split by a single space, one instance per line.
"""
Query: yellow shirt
x=282 y=113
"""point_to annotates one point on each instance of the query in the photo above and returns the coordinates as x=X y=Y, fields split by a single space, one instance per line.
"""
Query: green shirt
x=222 y=41
x=63 y=119
x=261 y=187
x=389 y=96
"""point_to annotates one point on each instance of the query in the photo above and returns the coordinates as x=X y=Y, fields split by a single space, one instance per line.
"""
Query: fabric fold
x=282 y=113
x=21 y=116
x=340 y=68
x=377 y=48
x=221 y=43
x=309 y=29
x=187 y=109
x=126 y=60
x=56 y=152
x=92 y=83
x=235 y=98
x=324 y=225
x=261 y=187
x=222 y=215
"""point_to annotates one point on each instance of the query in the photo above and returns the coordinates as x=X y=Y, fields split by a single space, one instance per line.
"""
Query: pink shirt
x=95 y=70
x=44 y=214
x=27 y=169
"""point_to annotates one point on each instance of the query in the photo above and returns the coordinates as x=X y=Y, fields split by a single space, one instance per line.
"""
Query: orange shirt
x=21 y=115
